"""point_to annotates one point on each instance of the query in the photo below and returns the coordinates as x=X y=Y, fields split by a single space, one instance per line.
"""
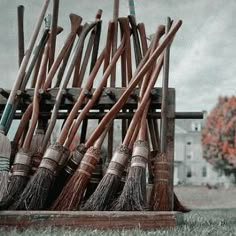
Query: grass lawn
x=198 y=222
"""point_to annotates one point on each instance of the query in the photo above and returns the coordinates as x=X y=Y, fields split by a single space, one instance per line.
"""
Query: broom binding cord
x=52 y=157
x=119 y=161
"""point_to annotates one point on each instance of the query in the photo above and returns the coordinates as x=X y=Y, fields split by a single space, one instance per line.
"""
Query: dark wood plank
x=93 y=220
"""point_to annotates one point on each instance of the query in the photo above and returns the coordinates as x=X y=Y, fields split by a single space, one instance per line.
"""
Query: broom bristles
x=133 y=196
x=160 y=197
x=36 y=191
x=5 y=153
x=15 y=187
x=161 y=192
x=4 y=175
x=110 y=183
x=72 y=193
x=104 y=194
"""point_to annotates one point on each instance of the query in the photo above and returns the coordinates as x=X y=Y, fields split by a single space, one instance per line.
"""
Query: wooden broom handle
x=141 y=107
x=78 y=48
x=99 y=89
x=34 y=118
x=75 y=21
x=64 y=132
x=20 y=75
x=21 y=44
x=155 y=42
x=52 y=40
x=115 y=109
x=165 y=92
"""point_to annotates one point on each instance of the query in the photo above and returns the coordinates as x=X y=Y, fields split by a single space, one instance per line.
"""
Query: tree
x=219 y=136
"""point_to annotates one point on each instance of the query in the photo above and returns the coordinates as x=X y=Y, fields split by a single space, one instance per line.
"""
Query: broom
x=22 y=163
x=42 y=122
x=79 y=152
x=75 y=21
x=133 y=196
x=5 y=145
x=64 y=174
x=110 y=182
x=23 y=122
x=78 y=177
x=161 y=193
x=77 y=190
x=41 y=182
x=93 y=47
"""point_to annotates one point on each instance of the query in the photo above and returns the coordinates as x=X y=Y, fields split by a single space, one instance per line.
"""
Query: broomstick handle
x=96 y=39
x=131 y=8
x=34 y=118
x=75 y=23
x=110 y=32
x=165 y=92
x=152 y=123
x=96 y=93
x=114 y=41
x=115 y=109
x=143 y=126
x=77 y=105
x=20 y=75
x=60 y=93
x=143 y=37
x=38 y=51
x=63 y=66
x=145 y=97
x=137 y=49
x=94 y=56
x=144 y=85
x=52 y=40
x=21 y=44
x=78 y=82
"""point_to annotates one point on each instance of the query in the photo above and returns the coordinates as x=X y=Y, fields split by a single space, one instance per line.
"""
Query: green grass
x=198 y=222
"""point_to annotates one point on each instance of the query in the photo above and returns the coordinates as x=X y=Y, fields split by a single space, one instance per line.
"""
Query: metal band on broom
x=104 y=191
x=35 y=193
x=5 y=146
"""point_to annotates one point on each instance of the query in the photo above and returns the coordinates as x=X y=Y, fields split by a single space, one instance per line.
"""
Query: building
x=190 y=167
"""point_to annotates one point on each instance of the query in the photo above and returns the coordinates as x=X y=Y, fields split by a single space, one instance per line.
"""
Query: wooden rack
x=99 y=220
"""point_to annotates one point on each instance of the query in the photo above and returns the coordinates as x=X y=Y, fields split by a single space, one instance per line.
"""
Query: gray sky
x=202 y=56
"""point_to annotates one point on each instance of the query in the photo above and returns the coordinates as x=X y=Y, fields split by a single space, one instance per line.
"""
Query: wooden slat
x=106 y=101
x=93 y=220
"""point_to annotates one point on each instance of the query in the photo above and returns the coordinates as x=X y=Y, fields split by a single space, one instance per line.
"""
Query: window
x=190 y=155
x=196 y=126
x=189 y=172
x=204 y=171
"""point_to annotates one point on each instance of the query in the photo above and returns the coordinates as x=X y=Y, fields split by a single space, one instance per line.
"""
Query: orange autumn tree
x=219 y=136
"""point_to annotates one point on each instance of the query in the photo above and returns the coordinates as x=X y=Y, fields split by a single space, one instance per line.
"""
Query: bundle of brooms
x=69 y=175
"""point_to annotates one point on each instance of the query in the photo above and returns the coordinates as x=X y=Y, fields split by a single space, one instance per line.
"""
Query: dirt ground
x=204 y=198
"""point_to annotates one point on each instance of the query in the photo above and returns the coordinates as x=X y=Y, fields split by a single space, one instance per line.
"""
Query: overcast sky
x=203 y=55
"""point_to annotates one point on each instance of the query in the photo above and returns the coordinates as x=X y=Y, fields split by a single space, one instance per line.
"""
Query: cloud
x=202 y=56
